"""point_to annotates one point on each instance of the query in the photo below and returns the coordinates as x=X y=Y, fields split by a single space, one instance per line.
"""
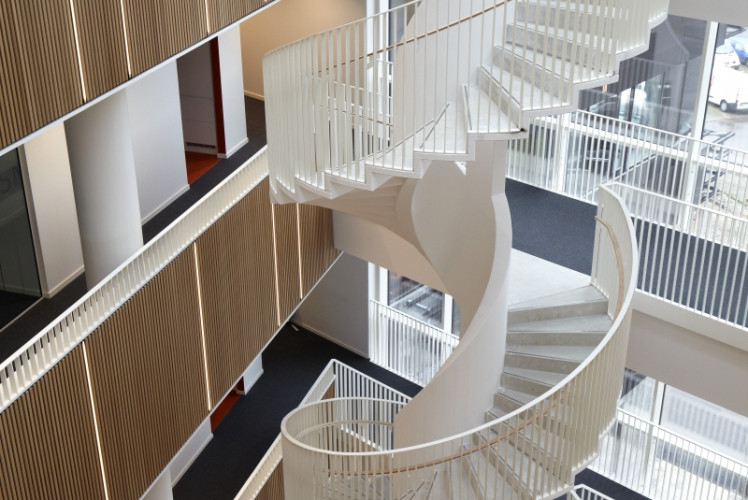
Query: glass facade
x=19 y=279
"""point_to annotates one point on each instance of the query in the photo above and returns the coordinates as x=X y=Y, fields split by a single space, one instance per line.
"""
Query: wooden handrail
x=489 y=442
x=619 y=262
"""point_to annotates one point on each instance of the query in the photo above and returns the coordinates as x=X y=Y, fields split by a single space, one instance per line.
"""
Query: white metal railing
x=584 y=492
x=413 y=349
x=691 y=256
x=576 y=152
x=689 y=197
x=659 y=463
x=322 y=442
x=349 y=382
x=372 y=92
x=41 y=353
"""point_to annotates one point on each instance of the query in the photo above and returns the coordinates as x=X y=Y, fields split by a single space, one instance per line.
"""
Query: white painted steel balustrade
x=659 y=463
x=328 y=446
x=41 y=353
x=422 y=137
x=406 y=346
x=689 y=197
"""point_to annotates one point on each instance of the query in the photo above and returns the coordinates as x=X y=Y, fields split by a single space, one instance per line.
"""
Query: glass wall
x=658 y=88
x=19 y=280
x=726 y=120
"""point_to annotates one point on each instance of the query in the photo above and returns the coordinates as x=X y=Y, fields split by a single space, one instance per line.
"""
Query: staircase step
x=586 y=323
x=461 y=481
x=508 y=400
x=574 y=353
x=448 y=135
x=488 y=479
x=537 y=378
x=561 y=14
x=516 y=96
x=540 y=363
x=578 y=302
x=484 y=115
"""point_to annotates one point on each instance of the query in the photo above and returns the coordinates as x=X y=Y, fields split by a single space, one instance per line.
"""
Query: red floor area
x=198 y=164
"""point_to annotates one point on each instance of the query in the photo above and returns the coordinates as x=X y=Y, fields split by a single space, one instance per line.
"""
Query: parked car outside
x=725 y=56
x=728 y=89
x=740 y=44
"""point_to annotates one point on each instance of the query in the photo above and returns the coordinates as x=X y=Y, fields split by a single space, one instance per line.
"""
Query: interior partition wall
x=109 y=417
x=59 y=54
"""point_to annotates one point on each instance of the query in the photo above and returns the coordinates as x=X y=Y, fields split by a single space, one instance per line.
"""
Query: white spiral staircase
x=402 y=119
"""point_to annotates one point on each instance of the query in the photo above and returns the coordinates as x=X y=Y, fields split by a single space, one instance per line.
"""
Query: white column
x=157 y=140
x=52 y=209
x=105 y=186
x=232 y=90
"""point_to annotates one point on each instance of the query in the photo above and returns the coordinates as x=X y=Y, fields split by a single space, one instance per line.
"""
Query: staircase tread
x=554 y=64
x=485 y=115
x=540 y=376
x=589 y=323
x=528 y=96
x=448 y=135
x=569 y=353
x=566 y=298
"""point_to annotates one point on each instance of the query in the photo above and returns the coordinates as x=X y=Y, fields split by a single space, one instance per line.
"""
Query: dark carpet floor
x=12 y=305
x=291 y=364
x=552 y=227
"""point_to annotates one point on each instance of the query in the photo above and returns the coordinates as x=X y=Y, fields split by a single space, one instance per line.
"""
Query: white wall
x=374 y=243
x=52 y=209
x=338 y=306
x=287 y=21
x=158 y=145
x=232 y=89
x=196 y=95
x=724 y=11
x=689 y=361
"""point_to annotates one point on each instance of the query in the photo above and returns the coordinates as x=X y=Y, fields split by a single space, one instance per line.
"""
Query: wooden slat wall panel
x=148 y=378
x=102 y=45
x=48 y=441
x=15 y=119
x=225 y=12
x=318 y=250
x=287 y=247
x=273 y=489
x=46 y=49
x=238 y=288
x=161 y=28
x=182 y=23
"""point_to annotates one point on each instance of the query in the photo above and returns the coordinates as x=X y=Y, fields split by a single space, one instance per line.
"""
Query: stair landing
x=531 y=278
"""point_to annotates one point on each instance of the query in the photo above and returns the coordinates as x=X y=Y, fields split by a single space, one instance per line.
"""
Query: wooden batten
x=287 y=255
x=148 y=378
x=318 y=250
x=238 y=288
x=48 y=441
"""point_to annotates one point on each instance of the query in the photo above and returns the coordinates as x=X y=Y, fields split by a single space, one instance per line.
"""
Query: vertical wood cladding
x=46 y=49
x=102 y=45
x=238 y=288
x=318 y=250
x=287 y=248
x=15 y=118
x=273 y=488
x=148 y=378
x=224 y=12
x=48 y=442
x=158 y=29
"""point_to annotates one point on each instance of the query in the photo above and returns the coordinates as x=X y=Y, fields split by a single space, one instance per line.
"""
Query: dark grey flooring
x=291 y=363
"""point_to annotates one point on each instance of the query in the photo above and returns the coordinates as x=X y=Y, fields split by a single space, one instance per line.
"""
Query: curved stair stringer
x=462 y=225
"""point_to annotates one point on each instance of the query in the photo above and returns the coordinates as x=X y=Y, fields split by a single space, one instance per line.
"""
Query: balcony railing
x=406 y=346
x=42 y=352
x=659 y=463
x=689 y=199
